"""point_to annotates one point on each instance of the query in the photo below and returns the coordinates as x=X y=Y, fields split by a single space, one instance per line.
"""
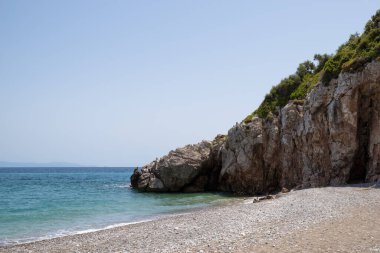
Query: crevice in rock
x=359 y=167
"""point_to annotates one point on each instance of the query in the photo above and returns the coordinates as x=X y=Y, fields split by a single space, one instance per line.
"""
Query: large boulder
x=183 y=169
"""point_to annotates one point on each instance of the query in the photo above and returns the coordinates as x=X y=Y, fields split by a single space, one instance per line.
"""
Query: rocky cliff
x=330 y=138
x=193 y=168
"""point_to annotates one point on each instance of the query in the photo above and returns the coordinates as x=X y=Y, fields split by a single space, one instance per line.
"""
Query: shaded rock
x=135 y=177
x=181 y=168
x=199 y=185
x=261 y=198
x=214 y=163
x=143 y=181
x=249 y=158
x=155 y=184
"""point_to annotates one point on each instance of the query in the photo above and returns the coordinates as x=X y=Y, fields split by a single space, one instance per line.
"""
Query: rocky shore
x=330 y=138
x=331 y=219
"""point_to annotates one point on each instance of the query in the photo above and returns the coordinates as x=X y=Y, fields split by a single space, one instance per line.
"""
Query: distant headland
x=48 y=164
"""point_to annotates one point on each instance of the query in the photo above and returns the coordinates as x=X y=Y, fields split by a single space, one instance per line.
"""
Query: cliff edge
x=331 y=136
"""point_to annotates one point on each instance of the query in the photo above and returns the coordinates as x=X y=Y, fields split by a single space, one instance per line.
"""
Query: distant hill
x=50 y=164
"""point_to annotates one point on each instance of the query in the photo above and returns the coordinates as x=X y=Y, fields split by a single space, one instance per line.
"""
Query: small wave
x=125 y=224
x=112 y=186
x=62 y=233
x=108 y=227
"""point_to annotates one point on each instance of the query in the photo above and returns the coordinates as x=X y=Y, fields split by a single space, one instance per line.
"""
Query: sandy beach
x=332 y=219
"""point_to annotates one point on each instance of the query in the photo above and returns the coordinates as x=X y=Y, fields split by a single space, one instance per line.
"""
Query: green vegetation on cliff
x=294 y=86
x=350 y=57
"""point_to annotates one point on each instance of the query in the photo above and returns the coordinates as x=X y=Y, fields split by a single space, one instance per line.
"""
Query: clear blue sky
x=118 y=83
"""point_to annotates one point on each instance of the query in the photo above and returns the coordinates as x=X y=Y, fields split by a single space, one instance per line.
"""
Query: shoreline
x=235 y=227
x=71 y=233
x=149 y=218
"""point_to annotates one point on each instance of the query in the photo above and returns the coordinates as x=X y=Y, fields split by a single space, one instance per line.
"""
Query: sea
x=43 y=203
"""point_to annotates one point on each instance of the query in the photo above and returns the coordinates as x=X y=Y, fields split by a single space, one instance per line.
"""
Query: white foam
x=62 y=233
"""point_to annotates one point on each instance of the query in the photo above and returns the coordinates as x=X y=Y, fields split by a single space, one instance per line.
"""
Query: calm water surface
x=39 y=203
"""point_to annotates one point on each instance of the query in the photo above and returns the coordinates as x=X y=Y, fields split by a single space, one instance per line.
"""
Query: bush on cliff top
x=350 y=57
x=293 y=87
x=356 y=52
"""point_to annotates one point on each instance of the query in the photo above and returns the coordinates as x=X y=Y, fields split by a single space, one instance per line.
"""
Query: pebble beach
x=332 y=219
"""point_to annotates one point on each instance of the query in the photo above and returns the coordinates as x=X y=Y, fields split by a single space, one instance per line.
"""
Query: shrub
x=350 y=57
x=248 y=118
x=305 y=87
x=279 y=95
x=356 y=52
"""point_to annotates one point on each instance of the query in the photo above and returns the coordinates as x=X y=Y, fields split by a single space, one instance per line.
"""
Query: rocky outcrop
x=331 y=138
x=248 y=150
x=188 y=169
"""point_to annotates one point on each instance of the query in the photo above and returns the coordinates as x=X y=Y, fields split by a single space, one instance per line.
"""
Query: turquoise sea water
x=40 y=203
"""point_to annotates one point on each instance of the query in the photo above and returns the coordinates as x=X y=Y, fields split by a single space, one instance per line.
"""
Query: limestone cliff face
x=332 y=138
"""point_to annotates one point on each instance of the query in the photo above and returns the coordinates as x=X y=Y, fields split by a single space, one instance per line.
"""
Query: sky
x=119 y=83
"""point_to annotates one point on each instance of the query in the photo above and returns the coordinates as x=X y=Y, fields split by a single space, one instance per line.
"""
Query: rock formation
x=328 y=135
x=331 y=138
x=188 y=169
